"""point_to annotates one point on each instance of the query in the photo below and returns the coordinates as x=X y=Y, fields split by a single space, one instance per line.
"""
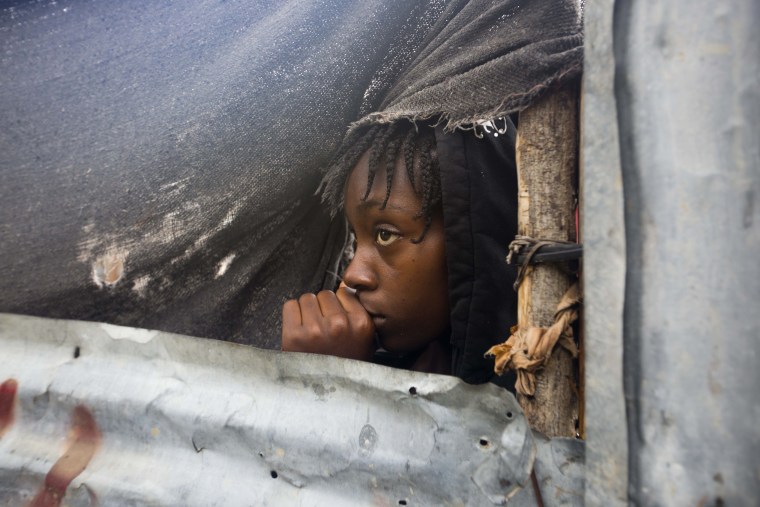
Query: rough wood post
x=546 y=155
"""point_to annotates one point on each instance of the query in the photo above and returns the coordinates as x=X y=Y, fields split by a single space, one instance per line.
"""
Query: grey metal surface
x=604 y=260
x=560 y=474
x=560 y=470
x=689 y=117
x=187 y=421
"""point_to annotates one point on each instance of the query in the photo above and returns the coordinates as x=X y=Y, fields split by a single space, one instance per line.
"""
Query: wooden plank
x=547 y=159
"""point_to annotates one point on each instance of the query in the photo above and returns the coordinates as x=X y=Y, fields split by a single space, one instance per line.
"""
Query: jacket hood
x=479 y=194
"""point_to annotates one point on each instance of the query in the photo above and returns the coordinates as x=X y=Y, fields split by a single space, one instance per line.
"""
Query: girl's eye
x=385 y=237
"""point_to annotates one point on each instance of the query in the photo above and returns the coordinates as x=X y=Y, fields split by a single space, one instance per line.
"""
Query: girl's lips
x=377 y=319
x=375 y=316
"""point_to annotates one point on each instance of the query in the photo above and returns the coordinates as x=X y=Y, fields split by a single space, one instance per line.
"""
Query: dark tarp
x=159 y=160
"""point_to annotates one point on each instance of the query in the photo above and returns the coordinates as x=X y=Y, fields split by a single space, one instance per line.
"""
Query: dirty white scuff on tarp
x=187 y=421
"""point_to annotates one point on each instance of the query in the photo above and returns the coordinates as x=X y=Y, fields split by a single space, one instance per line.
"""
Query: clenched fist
x=332 y=323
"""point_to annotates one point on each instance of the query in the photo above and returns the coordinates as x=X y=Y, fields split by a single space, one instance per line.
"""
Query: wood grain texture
x=547 y=160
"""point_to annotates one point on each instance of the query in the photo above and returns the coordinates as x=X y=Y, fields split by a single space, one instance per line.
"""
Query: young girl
x=432 y=215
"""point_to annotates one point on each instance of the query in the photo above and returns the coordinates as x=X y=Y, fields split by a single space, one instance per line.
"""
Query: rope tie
x=522 y=243
x=528 y=350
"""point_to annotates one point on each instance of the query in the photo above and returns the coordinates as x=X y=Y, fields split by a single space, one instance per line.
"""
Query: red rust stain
x=84 y=440
x=8 y=391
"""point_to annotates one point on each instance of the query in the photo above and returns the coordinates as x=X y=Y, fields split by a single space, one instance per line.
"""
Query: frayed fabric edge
x=511 y=104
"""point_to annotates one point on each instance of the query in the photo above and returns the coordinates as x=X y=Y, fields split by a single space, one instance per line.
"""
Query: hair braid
x=429 y=180
x=391 y=155
x=409 y=151
x=346 y=158
x=378 y=154
x=350 y=142
x=386 y=143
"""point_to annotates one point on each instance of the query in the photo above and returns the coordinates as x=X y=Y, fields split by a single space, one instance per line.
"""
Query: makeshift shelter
x=159 y=163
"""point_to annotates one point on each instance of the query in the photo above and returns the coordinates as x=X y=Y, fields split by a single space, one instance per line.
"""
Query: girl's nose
x=359 y=274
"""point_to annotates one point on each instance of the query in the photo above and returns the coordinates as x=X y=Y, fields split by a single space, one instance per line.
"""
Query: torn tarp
x=159 y=160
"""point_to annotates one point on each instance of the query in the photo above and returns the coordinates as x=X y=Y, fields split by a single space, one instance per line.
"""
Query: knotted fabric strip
x=528 y=350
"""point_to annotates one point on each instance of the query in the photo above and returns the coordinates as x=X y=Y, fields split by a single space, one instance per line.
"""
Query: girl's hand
x=329 y=323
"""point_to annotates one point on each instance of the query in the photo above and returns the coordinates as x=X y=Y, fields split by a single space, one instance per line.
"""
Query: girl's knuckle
x=338 y=325
x=313 y=330
x=363 y=325
x=306 y=297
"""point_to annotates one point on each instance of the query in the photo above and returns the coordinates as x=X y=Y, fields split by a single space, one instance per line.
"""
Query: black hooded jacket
x=479 y=192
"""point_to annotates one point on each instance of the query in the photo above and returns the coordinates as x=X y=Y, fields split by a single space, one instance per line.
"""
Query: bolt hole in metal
x=413 y=392
x=402 y=502
x=273 y=474
x=510 y=415
x=484 y=443
x=77 y=352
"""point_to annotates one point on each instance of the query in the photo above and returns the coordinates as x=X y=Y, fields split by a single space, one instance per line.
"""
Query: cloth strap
x=528 y=349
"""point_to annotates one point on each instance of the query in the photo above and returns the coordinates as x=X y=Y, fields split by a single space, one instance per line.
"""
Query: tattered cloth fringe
x=528 y=350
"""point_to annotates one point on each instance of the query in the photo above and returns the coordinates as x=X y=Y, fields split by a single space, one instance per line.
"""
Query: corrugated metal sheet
x=687 y=107
x=151 y=418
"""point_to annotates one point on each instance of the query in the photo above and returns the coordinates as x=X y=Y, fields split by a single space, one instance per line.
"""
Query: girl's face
x=402 y=285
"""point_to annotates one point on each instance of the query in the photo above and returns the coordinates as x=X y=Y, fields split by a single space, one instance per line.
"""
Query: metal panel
x=603 y=267
x=175 y=420
x=689 y=117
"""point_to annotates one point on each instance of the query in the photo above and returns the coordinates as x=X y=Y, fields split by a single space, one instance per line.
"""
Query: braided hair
x=386 y=143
